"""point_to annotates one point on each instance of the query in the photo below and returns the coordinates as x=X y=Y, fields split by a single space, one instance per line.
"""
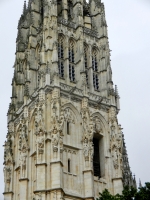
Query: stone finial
x=24 y=7
x=29 y=4
x=140 y=184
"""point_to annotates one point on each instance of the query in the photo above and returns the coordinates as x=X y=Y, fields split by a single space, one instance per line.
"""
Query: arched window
x=69 y=165
x=94 y=61
x=71 y=62
x=95 y=81
x=95 y=70
x=61 y=57
x=86 y=61
x=68 y=128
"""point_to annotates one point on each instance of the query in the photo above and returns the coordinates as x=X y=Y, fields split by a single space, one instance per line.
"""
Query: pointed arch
x=73 y=109
x=38 y=47
x=95 y=49
x=102 y=120
x=61 y=36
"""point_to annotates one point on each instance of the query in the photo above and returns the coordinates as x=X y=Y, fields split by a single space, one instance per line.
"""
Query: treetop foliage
x=129 y=193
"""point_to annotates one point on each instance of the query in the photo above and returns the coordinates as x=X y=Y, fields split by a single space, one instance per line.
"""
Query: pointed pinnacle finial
x=140 y=184
x=24 y=7
x=29 y=4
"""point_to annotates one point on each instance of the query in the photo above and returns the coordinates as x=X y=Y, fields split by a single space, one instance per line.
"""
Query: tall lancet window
x=96 y=158
x=86 y=61
x=61 y=57
x=95 y=70
x=69 y=165
x=71 y=62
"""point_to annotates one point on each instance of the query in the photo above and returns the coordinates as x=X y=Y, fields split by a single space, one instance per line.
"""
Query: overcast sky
x=129 y=36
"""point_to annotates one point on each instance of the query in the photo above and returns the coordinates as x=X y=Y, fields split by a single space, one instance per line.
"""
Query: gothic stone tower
x=63 y=140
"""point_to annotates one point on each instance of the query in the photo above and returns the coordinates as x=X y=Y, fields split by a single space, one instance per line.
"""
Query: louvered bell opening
x=62 y=70
x=72 y=56
x=69 y=55
x=73 y=73
x=97 y=82
x=96 y=67
x=70 y=71
x=94 y=80
x=62 y=52
x=59 y=51
x=93 y=63
x=86 y=77
x=59 y=67
x=85 y=63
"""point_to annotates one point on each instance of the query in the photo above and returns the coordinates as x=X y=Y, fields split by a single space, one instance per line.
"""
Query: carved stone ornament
x=8 y=162
x=39 y=120
x=11 y=127
x=97 y=125
x=88 y=149
x=23 y=139
x=85 y=114
x=80 y=13
x=7 y=174
x=61 y=144
x=55 y=139
x=116 y=149
x=112 y=115
x=23 y=148
x=8 y=154
x=88 y=131
x=40 y=141
x=69 y=116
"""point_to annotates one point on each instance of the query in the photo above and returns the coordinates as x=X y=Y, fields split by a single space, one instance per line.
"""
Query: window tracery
x=61 y=57
x=86 y=62
x=95 y=70
x=71 y=62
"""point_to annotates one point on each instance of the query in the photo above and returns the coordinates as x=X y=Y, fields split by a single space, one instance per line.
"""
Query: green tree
x=105 y=195
x=143 y=193
x=129 y=193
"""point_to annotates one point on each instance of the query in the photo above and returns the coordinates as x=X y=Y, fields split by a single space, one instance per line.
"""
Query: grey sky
x=129 y=36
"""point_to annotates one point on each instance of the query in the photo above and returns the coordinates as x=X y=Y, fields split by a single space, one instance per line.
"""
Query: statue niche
x=23 y=149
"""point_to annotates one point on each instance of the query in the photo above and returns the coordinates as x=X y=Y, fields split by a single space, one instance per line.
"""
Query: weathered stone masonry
x=63 y=140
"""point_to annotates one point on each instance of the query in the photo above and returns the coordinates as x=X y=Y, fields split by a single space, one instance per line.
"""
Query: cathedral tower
x=63 y=140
